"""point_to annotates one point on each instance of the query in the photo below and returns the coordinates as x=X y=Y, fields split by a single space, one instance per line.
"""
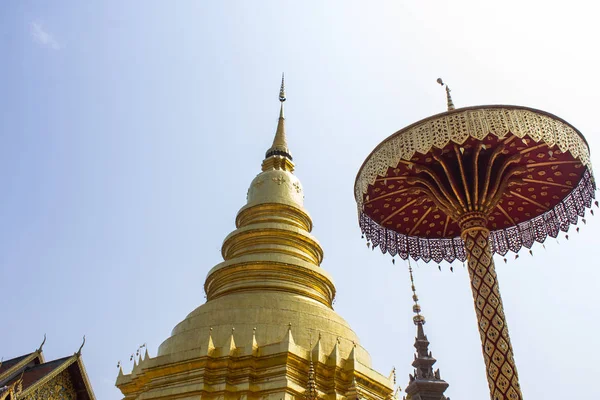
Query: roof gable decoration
x=11 y=367
x=10 y=392
x=66 y=379
x=59 y=387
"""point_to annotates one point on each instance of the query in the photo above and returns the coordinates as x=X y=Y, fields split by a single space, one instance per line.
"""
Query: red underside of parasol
x=552 y=194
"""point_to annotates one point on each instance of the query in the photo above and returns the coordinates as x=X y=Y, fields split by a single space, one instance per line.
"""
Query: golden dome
x=276 y=186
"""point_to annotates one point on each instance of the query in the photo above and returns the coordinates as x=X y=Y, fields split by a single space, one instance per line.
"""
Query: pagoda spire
x=424 y=383
x=279 y=146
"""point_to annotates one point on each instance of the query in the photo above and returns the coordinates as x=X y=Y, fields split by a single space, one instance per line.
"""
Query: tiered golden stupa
x=267 y=329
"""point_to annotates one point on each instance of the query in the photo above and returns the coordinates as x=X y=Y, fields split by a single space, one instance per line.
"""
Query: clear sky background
x=130 y=131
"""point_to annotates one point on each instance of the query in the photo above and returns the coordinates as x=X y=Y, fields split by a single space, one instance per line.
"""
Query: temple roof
x=8 y=364
x=31 y=375
x=14 y=366
x=30 y=371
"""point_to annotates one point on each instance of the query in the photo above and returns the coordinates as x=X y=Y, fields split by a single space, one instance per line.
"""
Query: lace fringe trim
x=525 y=234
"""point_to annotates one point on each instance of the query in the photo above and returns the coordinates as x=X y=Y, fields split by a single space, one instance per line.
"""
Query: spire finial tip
x=418 y=319
x=282 y=89
x=279 y=146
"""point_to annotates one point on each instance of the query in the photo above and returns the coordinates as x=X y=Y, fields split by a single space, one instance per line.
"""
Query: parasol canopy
x=526 y=171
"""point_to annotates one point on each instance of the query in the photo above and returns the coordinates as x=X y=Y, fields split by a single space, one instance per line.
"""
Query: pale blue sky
x=130 y=131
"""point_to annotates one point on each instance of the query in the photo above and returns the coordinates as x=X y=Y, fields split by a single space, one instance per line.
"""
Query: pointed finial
x=282 y=89
x=80 y=347
x=210 y=346
x=311 y=383
x=39 y=350
x=418 y=318
x=448 y=96
x=232 y=345
x=279 y=146
x=288 y=339
x=392 y=376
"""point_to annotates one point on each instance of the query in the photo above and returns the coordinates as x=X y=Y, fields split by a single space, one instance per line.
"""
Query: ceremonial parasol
x=471 y=182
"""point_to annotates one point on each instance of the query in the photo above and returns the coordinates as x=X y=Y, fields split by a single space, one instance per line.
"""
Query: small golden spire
x=448 y=96
x=311 y=383
x=279 y=146
x=418 y=318
x=210 y=346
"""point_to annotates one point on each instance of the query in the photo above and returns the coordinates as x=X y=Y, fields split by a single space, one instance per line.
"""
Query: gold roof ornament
x=80 y=347
x=39 y=350
x=210 y=345
x=231 y=347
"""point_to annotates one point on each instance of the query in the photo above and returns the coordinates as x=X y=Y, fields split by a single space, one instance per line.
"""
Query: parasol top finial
x=448 y=96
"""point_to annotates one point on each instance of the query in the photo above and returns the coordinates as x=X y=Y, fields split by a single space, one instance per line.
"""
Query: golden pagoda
x=268 y=329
